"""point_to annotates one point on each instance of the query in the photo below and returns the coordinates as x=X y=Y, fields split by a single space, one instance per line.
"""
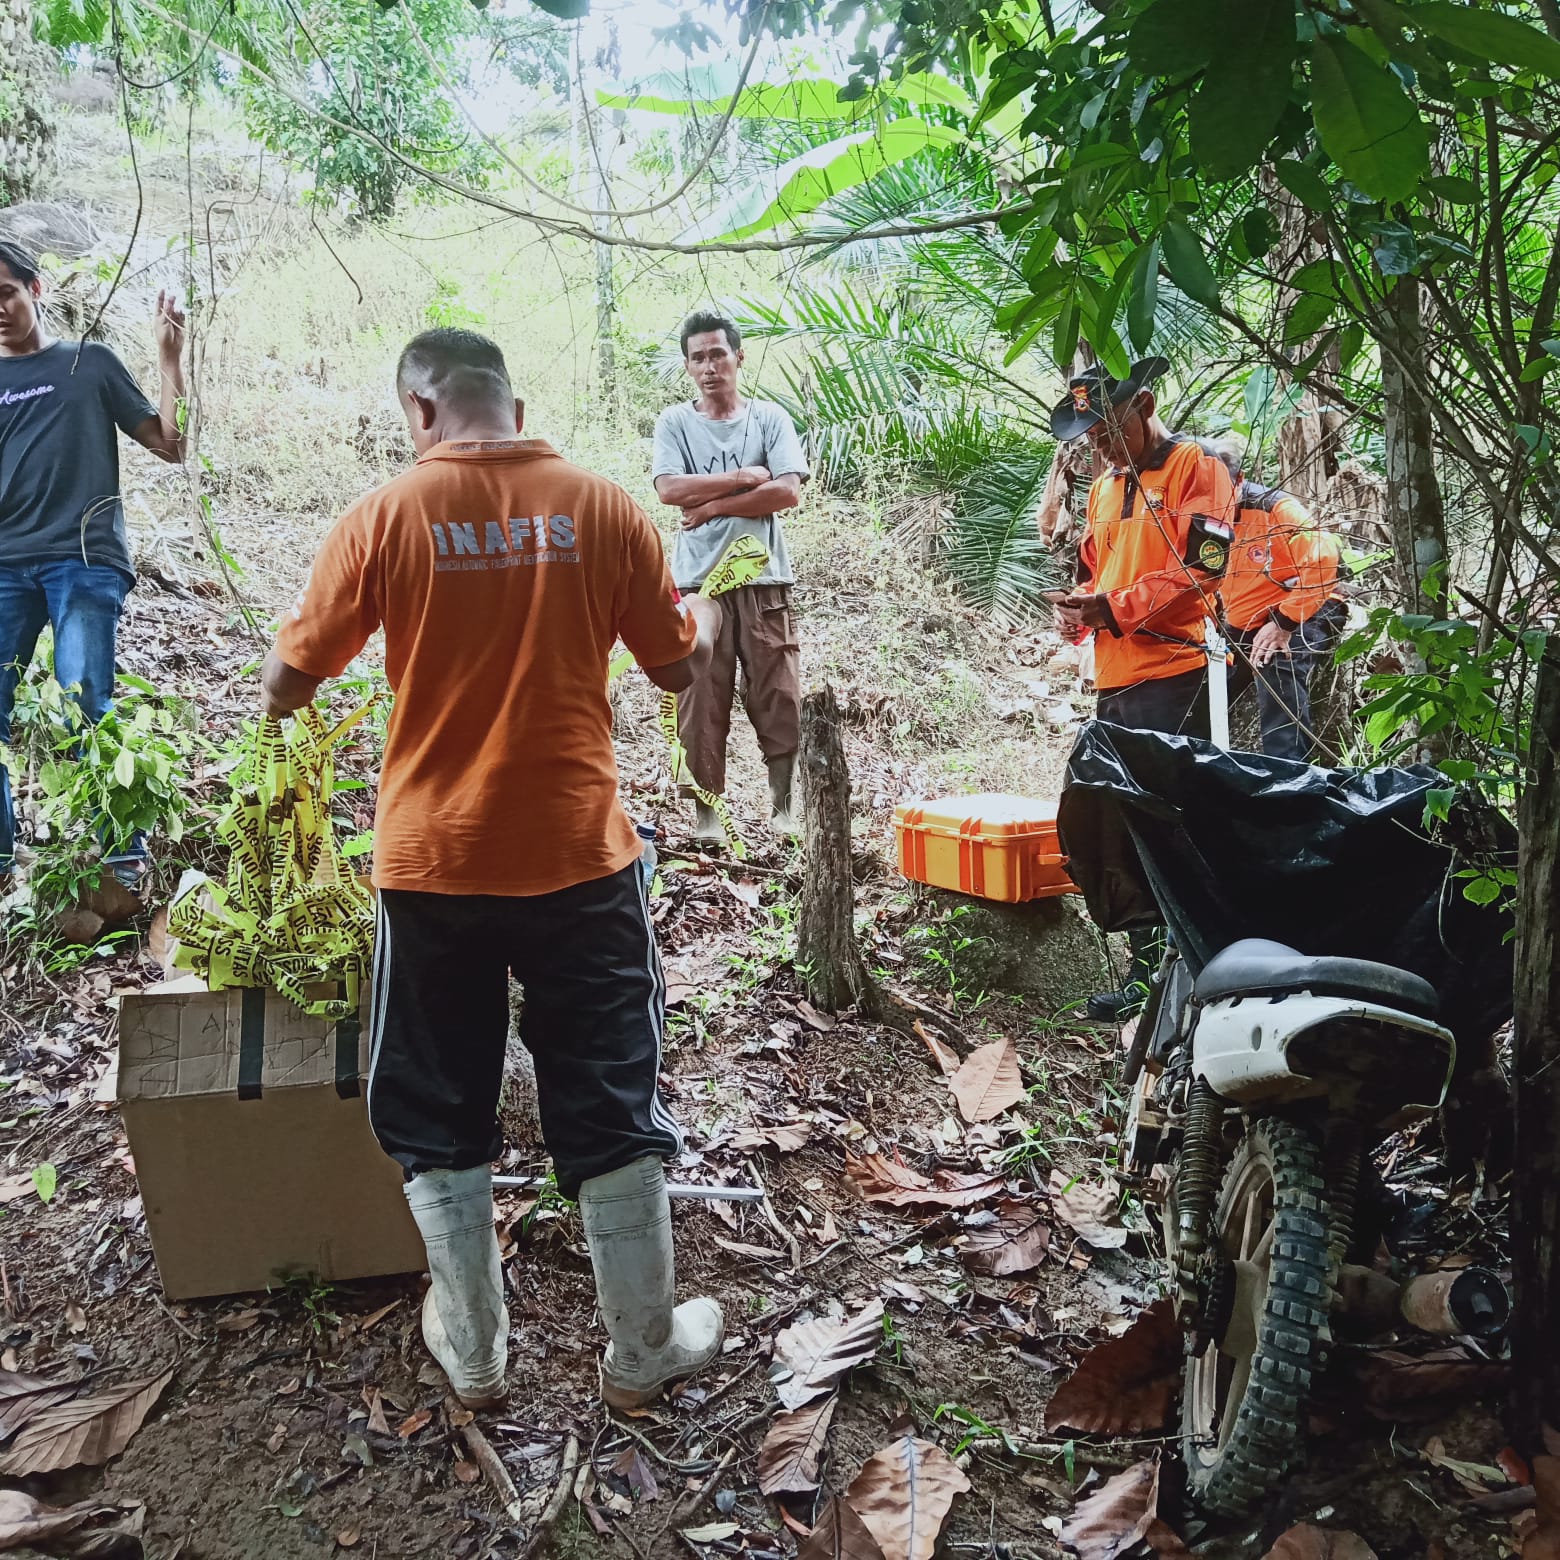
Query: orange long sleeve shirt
x=1157 y=544
x=1283 y=568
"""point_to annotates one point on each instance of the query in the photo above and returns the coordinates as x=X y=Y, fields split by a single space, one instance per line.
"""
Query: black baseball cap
x=1091 y=393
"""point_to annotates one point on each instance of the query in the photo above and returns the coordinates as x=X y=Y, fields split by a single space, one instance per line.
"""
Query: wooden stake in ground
x=826 y=947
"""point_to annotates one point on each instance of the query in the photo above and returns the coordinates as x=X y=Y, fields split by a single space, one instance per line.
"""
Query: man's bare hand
x=168 y=327
x=699 y=514
x=1087 y=610
x=1271 y=642
x=752 y=476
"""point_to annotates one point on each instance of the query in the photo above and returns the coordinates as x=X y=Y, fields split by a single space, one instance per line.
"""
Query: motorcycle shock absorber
x=1342 y=1155
x=1198 y=1183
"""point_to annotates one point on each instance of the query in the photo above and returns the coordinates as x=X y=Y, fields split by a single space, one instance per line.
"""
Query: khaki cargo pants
x=756 y=633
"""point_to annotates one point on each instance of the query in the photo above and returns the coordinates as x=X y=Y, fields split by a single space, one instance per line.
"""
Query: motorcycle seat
x=1256 y=967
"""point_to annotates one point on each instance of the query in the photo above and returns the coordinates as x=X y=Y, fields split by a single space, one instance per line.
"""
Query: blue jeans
x=83 y=602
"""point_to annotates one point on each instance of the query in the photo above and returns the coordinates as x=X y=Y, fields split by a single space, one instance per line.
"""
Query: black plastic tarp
x=1224 y=845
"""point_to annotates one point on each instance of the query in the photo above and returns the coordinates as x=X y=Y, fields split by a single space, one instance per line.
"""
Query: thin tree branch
x=563 y=229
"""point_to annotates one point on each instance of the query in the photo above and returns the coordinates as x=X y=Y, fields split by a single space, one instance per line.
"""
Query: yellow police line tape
x=742 y=562
x=292 y=915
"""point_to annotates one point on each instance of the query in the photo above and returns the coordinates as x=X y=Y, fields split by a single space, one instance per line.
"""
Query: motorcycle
x=1260 y=1075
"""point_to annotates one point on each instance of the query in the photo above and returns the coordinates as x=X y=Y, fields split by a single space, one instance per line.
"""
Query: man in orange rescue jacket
x=1282 y=611
x=1160 y=523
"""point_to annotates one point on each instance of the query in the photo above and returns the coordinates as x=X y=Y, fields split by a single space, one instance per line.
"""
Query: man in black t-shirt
x=64 y=559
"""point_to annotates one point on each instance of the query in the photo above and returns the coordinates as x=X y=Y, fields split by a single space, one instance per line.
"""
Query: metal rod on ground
x=737 y=1194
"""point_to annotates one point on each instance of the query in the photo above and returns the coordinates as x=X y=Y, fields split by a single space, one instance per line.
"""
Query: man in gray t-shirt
x=731 y=465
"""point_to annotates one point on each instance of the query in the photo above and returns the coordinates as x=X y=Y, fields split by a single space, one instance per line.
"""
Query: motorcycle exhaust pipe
x=1453 y=1302
x=1468 y=1301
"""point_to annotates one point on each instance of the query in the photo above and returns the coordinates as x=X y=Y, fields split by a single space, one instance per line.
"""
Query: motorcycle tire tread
x=1269 y=1432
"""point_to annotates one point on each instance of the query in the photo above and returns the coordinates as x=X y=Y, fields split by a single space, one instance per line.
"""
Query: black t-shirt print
x=59 y=454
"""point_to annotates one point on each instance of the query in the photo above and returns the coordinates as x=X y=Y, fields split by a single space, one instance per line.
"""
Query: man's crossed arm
x=684 y=492
x=754 y=501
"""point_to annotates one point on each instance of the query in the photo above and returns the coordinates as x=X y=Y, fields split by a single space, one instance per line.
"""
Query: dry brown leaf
x=25 y=1520
x=75 y=1317
x=793 y=1448
x=741 y=1248
x=362 y=1324
x=1510 y=1462
x=809 y=1015
x=1165 y=1541
x=943 y=1054
x=467 y=1473
x=13 y=1187
x=457 y=1417
x=158 y=943
x=1306 y=1542
x=83 y=1431
x=1117 y=1516
x=637 y=1474
x=409 y=1426
x=881 y=1180
x=1398 y=1385
x=349 y=1536
x=1016 y=1243
x=239 y=1321
x=1090 y=1210
x=785 y=1136
x=839 y=1535
x=22 y=1397
x=274 y=1441
x=818 y=1353
x=376 y=1411
x=1124 y=1385
x=988 y=1082
x=904 y=1493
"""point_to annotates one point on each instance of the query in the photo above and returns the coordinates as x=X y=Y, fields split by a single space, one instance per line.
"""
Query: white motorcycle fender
x=1241 y=1044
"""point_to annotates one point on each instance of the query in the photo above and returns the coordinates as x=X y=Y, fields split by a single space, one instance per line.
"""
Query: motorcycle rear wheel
x=1244 y=1401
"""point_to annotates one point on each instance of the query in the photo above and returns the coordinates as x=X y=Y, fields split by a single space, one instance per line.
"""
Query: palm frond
x=993 y=548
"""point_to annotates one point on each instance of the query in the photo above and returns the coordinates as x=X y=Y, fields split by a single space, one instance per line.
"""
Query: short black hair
x=701 y=322
x=18 y=262
x=457 y=367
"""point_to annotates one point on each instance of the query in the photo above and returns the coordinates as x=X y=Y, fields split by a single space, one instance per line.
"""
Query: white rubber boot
x=628 y=1227
x=464 y=1322
x=782 y=786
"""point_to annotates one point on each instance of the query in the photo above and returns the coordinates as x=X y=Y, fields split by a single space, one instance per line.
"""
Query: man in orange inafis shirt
x=502 y=575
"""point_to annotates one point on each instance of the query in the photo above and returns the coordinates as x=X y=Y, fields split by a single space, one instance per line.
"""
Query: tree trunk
x=1416 y=517
x=26 y=130
x=1306 y=447
x=1535 y=1201
x=826 y=949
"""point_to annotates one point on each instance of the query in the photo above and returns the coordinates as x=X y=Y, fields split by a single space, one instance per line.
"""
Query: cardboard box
x=247 y=1121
